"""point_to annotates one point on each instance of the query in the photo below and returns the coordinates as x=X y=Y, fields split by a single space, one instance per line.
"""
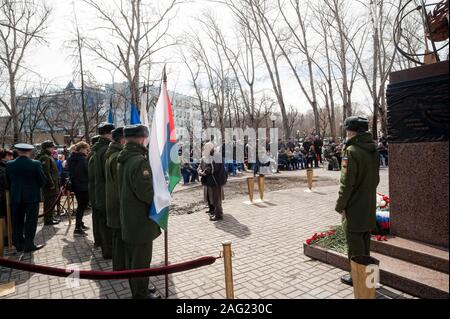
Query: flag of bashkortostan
x=166 y=173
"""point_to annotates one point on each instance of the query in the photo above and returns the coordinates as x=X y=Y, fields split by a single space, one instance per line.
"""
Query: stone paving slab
x=267 y=240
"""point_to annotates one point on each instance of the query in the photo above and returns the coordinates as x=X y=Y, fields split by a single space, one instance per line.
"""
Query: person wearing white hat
x=25 y=178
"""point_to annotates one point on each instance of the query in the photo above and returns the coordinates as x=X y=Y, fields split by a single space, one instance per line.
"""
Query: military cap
x=105 y=128
x=117 y=134
x=95 y=139
x=24 y=147
x=356 y=124
x=135 y=131
x=47 y=144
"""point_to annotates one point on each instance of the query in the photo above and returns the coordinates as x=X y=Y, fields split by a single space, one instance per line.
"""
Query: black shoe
x=84 y=227
x=19 y=250
x=35 y=248
x=153 y=295
x=347 y=279
x=209 y=212
x=79 y=232
x=51 y=222
x=215 y=218
x=152 y=289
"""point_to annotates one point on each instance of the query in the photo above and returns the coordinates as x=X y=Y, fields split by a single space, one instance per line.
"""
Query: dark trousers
x=50 y=201
x=215 y=196
x=105 y=235
x=118 y=250
x=358 y=243
x=25 y=217
x=95 y=227
x=138 y=257
x=82 y=204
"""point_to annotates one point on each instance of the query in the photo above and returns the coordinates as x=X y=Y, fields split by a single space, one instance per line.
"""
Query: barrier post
x=261 y=184
x=8 y=219
x=227 y=254
x=309 y=177
x=250 y=186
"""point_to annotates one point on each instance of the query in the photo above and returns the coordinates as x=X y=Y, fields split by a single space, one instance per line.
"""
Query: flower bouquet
x=333 y=239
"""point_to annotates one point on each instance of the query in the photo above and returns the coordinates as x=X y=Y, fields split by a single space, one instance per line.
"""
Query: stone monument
x=418 y=118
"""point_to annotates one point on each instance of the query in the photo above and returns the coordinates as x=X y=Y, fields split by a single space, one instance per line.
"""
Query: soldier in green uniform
x=99 y=159
x=358 y=185
x=112 y=198
x=91 y=190
x=50 y=191
x=136 y=197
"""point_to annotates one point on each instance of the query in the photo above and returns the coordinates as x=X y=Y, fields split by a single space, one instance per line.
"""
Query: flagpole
x=166 y=235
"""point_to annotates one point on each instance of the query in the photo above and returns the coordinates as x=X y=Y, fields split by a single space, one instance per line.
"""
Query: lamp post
x=113 y=73
x=273 y=118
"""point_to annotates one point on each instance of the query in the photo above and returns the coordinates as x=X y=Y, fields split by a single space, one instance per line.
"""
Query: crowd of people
x=114 y=178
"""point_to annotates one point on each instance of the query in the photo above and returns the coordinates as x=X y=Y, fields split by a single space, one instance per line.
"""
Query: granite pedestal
x=418 y=115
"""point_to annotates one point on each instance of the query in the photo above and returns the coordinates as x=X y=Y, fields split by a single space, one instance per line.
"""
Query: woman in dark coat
x=78 y=172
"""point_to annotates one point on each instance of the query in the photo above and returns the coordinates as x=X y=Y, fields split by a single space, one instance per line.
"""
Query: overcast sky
x=53 y=64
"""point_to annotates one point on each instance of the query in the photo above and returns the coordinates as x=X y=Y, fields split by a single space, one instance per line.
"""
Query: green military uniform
x=50 y=191
x=136 y=196
x=91 y=190
x=100 y=196
x=357 y=193
x=113 y=203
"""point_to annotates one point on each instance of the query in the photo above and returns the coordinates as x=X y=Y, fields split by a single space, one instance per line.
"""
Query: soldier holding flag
x=136 y=197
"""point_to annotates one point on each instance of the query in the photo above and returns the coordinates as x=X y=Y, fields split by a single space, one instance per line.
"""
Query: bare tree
x=32 y=106
x=250 y=14
x=24 y=23
x=138 y=31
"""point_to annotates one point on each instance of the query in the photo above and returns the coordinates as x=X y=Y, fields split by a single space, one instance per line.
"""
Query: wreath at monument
x=382 y=217
x=334 y=238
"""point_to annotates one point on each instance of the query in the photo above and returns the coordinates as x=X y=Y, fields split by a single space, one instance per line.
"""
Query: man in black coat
x=214 y=177
x=25 y=178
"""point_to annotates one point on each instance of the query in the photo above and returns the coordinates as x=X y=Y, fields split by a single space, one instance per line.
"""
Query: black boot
x=347 y=279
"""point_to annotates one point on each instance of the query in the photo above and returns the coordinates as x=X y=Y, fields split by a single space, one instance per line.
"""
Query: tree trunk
x=14 y=115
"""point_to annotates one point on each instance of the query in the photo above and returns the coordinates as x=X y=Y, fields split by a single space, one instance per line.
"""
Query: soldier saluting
x=136 y=197
x=358 y=185
x=50 y=191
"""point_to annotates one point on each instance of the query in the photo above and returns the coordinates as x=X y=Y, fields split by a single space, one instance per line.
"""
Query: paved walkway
x=267 y=240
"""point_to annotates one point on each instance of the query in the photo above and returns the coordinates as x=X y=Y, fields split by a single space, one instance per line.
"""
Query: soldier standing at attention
x=91 y=190
x=104 y=130
x=25 y=178
x=358 y=185
x=112 y=198
x=136 y=197
x=50 y=191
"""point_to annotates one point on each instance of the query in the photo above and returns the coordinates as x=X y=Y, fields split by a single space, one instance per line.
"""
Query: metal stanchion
x=309 y=178
x=227 y=254
x=250 y=187
x=365 y=274
x=8 y=220
x=261 y=184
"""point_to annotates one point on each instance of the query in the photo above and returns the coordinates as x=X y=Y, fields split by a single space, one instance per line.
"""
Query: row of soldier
x=121 y=192
x=114 y=176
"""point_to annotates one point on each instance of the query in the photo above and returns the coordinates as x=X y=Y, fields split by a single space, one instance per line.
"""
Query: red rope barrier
x=109 y=275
